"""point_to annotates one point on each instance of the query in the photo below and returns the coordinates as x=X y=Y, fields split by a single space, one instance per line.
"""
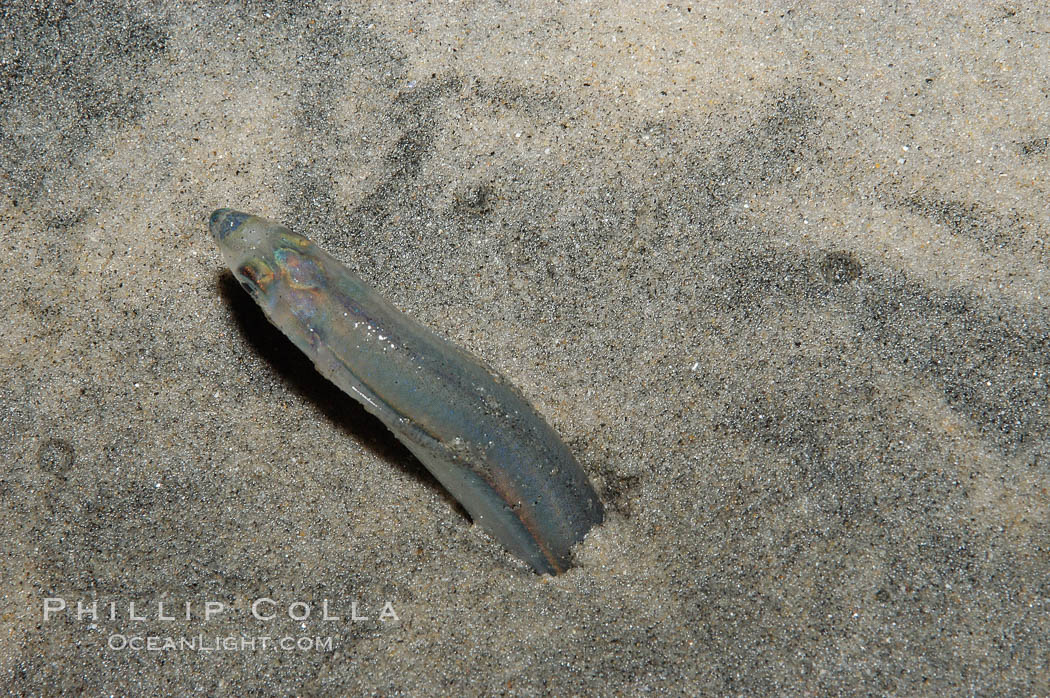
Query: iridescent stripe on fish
x=471 y=428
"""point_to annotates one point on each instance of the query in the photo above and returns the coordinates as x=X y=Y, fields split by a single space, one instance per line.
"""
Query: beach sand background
x=778 y=274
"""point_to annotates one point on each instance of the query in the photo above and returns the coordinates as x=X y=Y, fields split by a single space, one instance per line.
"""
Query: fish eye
x=248 y=278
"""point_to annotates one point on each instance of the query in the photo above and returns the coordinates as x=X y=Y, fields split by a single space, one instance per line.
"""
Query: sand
x=778 y=275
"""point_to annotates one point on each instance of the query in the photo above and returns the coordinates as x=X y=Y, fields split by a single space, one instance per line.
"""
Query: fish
x=464 y=421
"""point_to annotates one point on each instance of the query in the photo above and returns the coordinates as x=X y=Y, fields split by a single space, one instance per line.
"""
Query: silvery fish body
x=473 y=430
